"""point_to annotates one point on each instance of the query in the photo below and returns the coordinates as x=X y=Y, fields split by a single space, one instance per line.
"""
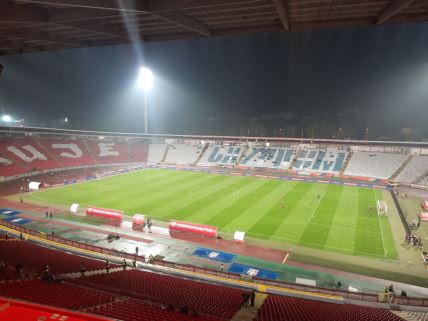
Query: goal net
x=382 y=208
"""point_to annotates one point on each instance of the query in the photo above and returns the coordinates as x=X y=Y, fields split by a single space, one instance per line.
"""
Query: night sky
x=292 y=84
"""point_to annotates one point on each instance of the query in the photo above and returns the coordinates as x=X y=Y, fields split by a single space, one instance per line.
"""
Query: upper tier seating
x=183 y=154
x=206 y=298
x=56 y=294
x=281 y=308
x=374 y=164
x=221 y=155
x=320 y=160
x=268 y=157
x=18 y=156
x=12 y=169
x=34 y=257
x=135 y=310
x=27 y=153
x=67 y=152
x=107 y=152
x=414 y=170
x=156 y=152
x=139 y=152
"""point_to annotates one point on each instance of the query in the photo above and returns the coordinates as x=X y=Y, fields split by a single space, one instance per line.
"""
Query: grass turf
x=324 y=216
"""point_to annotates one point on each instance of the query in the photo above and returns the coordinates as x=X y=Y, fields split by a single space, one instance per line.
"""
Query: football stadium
x=240 y=218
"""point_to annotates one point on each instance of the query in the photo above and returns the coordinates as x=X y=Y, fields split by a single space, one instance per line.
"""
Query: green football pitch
x=322 y=216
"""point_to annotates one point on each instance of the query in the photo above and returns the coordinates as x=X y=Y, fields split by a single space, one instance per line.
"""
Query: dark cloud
x=300 y=82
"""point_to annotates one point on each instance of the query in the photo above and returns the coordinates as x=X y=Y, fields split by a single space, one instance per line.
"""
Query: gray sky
x=375 y=77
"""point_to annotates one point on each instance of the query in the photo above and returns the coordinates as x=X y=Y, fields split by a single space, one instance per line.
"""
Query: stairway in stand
x=165 y=154
x=243 y=154
x=348 y=159
x=399 y=170
x=249 y=313
x=412 y=316
x=202 y=153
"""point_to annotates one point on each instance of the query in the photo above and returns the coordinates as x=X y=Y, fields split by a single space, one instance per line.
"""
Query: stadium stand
x=138 y=151
x=202 y=297
x=34 y=258
x=374 y=164
x=136 y=310
x=415 y=169
x=282 y=308
x=11 y=169
x=221 y=155
x=24 y=155
x=320 y=160
x=107 y=152
x=268 y=157
x=57 y=294
x=156 y=153
x=68 y=153
x=27 y=153
x=19 y=156
x=183 y=154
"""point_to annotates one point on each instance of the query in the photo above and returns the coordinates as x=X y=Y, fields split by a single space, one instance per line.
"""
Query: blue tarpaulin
x=253 y=271
x=17 y=220
x=214 y=255
x=9 y=212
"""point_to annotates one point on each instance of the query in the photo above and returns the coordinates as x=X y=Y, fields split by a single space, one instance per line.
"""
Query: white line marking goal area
x=380 y=224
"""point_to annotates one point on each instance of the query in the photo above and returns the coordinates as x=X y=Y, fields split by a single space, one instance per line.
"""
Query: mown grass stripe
x=217 y=194
x=266 y=226
x=237 y=208
x=318 y=233
x=368 y=238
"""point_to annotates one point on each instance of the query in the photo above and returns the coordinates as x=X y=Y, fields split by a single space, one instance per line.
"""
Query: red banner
x=423 y=216
x=106 y=213
x=186 y=227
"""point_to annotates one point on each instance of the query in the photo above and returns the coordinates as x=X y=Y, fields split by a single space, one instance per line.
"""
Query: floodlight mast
x=6 y=118
x=145 y=81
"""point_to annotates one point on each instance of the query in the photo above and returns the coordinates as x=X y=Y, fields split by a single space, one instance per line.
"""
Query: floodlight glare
x=145 y=79
x=6 y=118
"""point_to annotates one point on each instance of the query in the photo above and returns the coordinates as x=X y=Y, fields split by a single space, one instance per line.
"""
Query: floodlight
x=145 y=79
x=66 y=119
x=6 y=118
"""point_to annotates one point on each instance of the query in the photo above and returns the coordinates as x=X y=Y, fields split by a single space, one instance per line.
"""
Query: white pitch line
x=380 y=225
x=315 y=209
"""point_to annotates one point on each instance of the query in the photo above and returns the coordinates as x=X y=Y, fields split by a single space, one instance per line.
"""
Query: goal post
x=382 y=208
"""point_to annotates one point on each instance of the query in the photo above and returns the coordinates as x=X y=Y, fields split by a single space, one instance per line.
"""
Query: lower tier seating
x=135 y=310
x=202 y=297
x=35 y=258
x=61 y=295
x=281 y=308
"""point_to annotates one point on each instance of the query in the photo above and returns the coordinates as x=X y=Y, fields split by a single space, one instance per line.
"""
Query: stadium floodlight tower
x=6 y=118
x=145 y=82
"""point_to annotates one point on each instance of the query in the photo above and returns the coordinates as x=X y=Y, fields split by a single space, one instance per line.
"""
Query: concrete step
x=249 y=313
x=412 y=316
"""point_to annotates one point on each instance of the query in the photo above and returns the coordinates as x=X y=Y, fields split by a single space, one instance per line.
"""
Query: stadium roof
x=40 y=25
x=10 y=131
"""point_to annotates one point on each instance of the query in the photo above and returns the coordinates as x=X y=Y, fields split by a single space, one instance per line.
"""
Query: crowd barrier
x=368 y=297
x=72 y=243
